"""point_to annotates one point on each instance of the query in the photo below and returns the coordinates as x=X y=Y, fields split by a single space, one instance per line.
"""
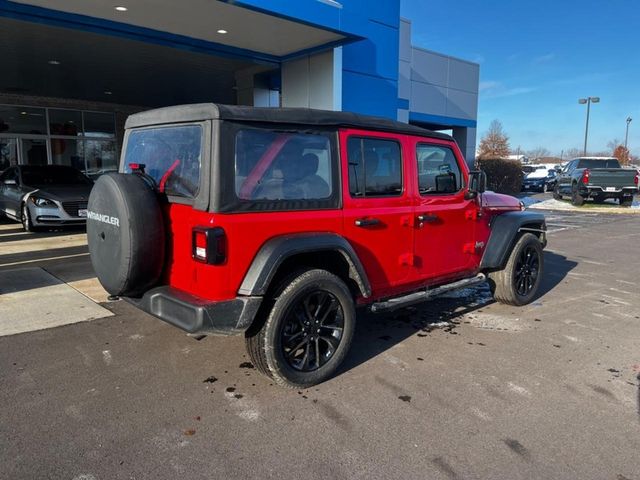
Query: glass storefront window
x=65 y=122
x=81 y=139
x=26 y=120
x=99 y=124
x=67 y=152
x=100 y=157
x=8 y=153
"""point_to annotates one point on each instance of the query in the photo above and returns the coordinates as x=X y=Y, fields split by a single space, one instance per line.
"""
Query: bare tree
x=613 y=144
x=494 y=143
x=538 y=152
x=573 y=153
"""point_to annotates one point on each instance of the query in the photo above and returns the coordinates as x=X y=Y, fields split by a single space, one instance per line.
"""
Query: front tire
x=518 y=282
x=556 y=193
x=27 y=223
x=308 y=331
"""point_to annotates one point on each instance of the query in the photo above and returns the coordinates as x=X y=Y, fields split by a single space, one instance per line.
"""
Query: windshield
x=40 y=176
x=170 y=155
x=599 y=163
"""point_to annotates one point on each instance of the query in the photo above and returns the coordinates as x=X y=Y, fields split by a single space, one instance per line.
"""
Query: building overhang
x=195 y=25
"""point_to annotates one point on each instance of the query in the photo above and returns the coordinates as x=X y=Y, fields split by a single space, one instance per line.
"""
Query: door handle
x=367 y=222
x=427 y=218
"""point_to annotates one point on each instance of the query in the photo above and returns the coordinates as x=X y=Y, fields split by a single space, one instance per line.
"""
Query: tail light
x=585 y=175
x=209 y=245
x=636 y=180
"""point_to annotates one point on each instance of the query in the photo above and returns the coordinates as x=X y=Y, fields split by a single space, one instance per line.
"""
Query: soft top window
x=271 y=165
x=170 y=155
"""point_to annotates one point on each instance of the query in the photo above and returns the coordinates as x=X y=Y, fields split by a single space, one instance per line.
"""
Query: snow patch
x=518 y=389
x=565 y=205
x=490 y=321
x=106 y=356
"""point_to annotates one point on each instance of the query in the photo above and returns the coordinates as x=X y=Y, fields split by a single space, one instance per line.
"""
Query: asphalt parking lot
x=459 y=388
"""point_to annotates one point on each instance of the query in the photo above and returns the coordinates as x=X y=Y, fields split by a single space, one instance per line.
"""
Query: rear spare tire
x=126 y=234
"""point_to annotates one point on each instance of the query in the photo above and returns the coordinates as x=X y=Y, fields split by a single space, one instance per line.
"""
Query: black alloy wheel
x=306 y=331
x=526 y=272
x=312 y=331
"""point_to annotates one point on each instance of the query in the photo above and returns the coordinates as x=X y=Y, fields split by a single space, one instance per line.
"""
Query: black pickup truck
x=598 y=178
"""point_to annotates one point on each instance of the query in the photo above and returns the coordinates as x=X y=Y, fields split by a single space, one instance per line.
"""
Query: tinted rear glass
x=36 y=176
x=170 y=155
x=596 y=163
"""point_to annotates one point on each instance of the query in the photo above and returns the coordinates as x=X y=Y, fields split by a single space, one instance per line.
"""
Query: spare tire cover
x=126 y=234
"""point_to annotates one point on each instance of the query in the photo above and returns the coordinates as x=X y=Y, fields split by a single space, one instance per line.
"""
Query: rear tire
x=307 y=332
x=556 y=193
x=626 y=201
x=576 y=199
x=518 y=282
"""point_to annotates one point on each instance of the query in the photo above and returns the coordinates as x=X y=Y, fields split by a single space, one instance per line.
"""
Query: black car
x=540 y=180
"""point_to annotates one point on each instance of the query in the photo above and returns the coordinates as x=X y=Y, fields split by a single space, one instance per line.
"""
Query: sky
x=537 y=58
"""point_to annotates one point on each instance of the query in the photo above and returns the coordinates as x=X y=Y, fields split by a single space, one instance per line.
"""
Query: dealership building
x=72 y=70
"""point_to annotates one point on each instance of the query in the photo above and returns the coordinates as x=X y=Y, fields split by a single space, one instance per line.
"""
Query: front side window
x=170 y=155
x=438 y=170
x=271 y=165
x=375 y=167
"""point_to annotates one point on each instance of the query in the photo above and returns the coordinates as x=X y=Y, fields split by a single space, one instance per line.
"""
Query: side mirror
x=477 y=184
x=10 y=181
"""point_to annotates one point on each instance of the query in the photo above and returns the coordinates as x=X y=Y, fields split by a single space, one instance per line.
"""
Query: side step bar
x=424 y=295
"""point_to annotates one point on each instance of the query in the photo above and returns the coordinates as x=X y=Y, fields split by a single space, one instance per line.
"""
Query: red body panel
x=445 y=247
x=386 y=249
x=399 y=254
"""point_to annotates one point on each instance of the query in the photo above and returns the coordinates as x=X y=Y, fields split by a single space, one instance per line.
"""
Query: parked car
x=276 y=223
x=598 y=178
x=44 y=195
x=541 y=179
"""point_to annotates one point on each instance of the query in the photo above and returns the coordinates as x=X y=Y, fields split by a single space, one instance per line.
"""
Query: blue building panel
x=369 y=95
x=377 y=55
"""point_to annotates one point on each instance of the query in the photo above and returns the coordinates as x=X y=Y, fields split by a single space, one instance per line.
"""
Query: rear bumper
x=593 y=190
x=197 y=315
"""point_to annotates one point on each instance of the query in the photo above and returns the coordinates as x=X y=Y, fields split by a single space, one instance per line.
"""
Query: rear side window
x=271 y=165
x=375 y=167
x=438 y=170
x=171 y=156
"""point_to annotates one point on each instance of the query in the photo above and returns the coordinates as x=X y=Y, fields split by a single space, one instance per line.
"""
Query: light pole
x=588 y=101
x=626 y=135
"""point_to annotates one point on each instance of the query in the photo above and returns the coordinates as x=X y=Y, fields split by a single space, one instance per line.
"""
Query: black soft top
x=290 y=116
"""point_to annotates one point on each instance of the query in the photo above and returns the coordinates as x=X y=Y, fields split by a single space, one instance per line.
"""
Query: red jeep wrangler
x=277 y=223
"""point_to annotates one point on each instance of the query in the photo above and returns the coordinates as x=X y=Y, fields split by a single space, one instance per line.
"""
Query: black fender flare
x=276 y=250
x=504 y=229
